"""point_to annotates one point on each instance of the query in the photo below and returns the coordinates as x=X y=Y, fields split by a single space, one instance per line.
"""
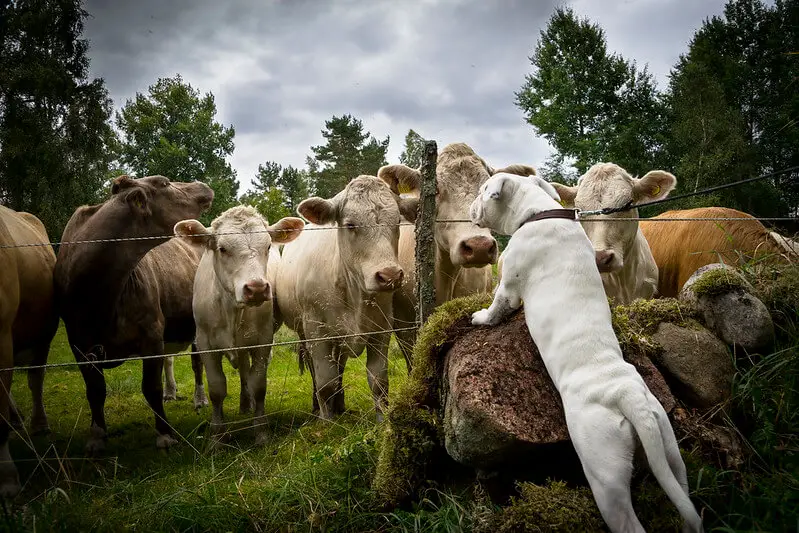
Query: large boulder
x=501 y=404
x=728 y=306
x=699 y=364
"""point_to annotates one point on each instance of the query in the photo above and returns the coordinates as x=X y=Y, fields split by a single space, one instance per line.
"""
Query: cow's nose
x=256 y=291
x=389 y=277
x=478 y=251
x=605 y=260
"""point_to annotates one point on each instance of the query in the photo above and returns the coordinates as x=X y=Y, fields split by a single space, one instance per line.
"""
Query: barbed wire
x=200 y=352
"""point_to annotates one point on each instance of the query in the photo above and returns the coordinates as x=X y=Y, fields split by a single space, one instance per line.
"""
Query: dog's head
x=506 y=200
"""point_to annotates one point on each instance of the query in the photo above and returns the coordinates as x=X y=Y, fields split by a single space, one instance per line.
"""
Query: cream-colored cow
x=464 y=252
x=623 y=255
x=340 y=281
x=232 y=303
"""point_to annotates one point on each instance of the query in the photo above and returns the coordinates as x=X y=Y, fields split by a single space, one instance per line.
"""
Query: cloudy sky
x=446 y=68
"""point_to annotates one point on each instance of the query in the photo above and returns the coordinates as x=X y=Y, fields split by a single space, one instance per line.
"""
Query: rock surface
x=699 y=363
x=728 y=307
x=500 y=402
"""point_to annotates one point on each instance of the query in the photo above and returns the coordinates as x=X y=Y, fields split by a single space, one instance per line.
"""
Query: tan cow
x=28 y=322
x=340 y=281
x=130 y=298
x=464 y=252
x=628 y=269
x=232 y=304
x=681 y=247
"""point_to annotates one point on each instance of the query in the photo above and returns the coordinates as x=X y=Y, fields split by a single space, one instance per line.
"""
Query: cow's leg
x=405 y=339
x=39 y=424
x=16 y=418
x=257 y=387
x=170 y=385
x=304 y=353
x=94 y=380
x=9 y=478
x=217 y=390
x=338 y=401
x=200 y=399
x=377 y=370
x=152 y=388
x=325 y=376
x=245 y=398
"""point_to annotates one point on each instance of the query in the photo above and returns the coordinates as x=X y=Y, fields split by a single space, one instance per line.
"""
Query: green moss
x=718 y=281
x=413 y=435
x=778 y=288
x=553 y=507
x=635 y=323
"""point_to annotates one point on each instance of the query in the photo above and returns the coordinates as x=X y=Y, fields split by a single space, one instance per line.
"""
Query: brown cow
x=120 y=299
x=28 y=322
x=681 y=247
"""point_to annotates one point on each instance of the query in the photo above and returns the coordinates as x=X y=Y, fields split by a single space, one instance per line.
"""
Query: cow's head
x=239 y=243
x=367 y=213
x=459 y=174
x=154 y=204
x=607 y=185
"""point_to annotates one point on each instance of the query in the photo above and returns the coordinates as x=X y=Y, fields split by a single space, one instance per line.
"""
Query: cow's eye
x=349 y=225
x=222 y=250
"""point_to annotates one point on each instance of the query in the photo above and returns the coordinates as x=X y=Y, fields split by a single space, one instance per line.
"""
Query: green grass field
x=310 y=473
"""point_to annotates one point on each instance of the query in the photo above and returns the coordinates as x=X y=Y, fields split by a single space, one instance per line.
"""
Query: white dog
x=550 y=264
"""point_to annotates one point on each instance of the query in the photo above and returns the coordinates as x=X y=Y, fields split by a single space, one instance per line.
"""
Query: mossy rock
x=635 y=323
x=717 y=281
x=778 y=288
x=413 y=438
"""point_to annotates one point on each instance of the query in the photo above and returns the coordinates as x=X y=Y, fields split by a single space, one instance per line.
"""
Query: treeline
x=729 y=112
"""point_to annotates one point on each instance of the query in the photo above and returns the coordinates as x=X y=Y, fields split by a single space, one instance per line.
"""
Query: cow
x=624 y=259
x=681 y=247
x=28 y=323
x=232 y=304
x=132 y=297
x=341 y=281
x=464 y=252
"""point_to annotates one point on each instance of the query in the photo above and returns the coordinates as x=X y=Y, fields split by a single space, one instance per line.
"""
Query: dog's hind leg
x=605 y=446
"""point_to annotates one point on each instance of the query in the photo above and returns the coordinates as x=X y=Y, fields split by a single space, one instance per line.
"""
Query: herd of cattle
x=124 y=288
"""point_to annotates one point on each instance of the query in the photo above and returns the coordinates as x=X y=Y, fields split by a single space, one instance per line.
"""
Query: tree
x=589 y=104
x=267 y=177
x=56 y=141
x=348 y=152
x=172 y=131
x=294 y=184
x=554 y=169
x=270 y=203
x=414 y=150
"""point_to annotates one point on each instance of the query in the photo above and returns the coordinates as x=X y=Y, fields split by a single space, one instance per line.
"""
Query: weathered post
x=425 y=241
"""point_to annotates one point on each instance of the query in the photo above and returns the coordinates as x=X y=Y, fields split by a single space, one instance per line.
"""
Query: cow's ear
x=317 y=210
x=409 y=208
x=567 y=194
x=137 y=199
x=519 y=170
x=286 y=229
x=655 y=185
x=194 y=231
x=400 y=178
x=548 y=188
x=121 y=182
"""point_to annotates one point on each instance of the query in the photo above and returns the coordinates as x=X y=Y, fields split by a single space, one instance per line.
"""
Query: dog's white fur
x=551 y=265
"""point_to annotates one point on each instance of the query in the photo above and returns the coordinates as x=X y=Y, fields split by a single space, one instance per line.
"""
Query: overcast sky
x=446 y=68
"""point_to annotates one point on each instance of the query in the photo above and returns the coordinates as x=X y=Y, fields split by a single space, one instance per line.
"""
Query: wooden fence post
x=425 y=240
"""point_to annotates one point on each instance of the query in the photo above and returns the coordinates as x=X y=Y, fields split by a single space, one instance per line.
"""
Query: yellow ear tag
x=561 y=203
x=403 y=189
x=656 y=190
x=137 y=204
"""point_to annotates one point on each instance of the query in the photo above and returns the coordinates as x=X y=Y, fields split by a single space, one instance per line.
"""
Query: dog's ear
x=548 y=188
x=494 y=186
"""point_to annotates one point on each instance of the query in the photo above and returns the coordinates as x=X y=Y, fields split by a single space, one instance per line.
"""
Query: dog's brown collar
x=568 y=214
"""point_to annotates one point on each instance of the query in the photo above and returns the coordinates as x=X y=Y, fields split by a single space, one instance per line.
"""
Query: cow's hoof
x=9 y=485
x=261 y=438
x=165 y=441
x=95 y=446
x=200 y=401
x=218 y=441
x=40 y=428
x=379 y=416
x=170 y=396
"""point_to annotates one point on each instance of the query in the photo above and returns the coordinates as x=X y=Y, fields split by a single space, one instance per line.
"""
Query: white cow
x=629 y=271
x=232 y=303
x=464 y=252
x=334 y=282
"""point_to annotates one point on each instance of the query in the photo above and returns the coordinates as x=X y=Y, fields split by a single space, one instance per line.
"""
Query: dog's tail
x=646 y=425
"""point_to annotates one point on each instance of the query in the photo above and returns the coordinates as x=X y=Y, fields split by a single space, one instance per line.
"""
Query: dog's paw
x=481 y=318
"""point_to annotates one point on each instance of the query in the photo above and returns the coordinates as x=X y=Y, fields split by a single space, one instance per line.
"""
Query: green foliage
x=590 y=104
x=172 y=131
x=555 y=170
x=56 y=141
x=270 y=203
x=348 y=152
x=414 y=150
